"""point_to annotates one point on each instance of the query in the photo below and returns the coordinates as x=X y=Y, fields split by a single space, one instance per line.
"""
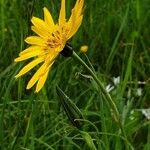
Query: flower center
x=54 y=40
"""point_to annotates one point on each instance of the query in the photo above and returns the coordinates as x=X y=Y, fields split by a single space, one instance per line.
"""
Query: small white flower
x=139 y=92
x=116 y=80
x=146 y=113
x=109 y=88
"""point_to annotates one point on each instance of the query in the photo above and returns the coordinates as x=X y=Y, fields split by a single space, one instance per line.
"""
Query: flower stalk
x=105 y=93
x=107 y=96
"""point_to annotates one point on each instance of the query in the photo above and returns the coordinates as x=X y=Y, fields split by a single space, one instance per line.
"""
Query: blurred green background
x=117 y=33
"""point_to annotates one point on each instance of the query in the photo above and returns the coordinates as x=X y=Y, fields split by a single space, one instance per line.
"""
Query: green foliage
x=117 y=33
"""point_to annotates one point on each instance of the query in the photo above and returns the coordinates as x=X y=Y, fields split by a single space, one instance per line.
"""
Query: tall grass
x=117 y=33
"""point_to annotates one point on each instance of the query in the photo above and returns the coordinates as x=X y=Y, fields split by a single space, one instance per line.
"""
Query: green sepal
x=71 y=110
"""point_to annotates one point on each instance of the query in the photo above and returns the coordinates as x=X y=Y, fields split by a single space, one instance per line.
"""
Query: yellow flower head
x=50 y=41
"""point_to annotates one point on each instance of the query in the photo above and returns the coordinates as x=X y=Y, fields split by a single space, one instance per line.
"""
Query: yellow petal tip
x=17 y=76
x=28 y=87
x=36 y=91
x=16 y=59
x=44 y=8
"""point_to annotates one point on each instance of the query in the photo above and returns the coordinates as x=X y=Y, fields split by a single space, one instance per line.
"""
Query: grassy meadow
x=117 y=33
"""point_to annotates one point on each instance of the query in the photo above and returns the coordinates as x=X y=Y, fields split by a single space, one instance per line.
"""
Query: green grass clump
x=117 y=33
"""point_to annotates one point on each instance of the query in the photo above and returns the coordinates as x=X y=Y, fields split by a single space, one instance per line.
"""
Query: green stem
x=105 y=93
x=87 y=138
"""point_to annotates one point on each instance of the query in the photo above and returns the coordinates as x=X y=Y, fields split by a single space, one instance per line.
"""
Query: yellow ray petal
x=42 y=79
x=51 y=56
x=41 y=25
x=48 y=18
x=29 y=49
x=41 y=82
x=39 y=32
x=29 y=55
x=75 y=18
x=79 y=7
x=29 y=66
x=76 y=27
x=35 y=40
x=37 y=75
x=62 y=14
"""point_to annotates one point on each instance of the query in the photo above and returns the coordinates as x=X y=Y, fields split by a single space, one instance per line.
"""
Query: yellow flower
x=50 y=41
x=84 y=48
